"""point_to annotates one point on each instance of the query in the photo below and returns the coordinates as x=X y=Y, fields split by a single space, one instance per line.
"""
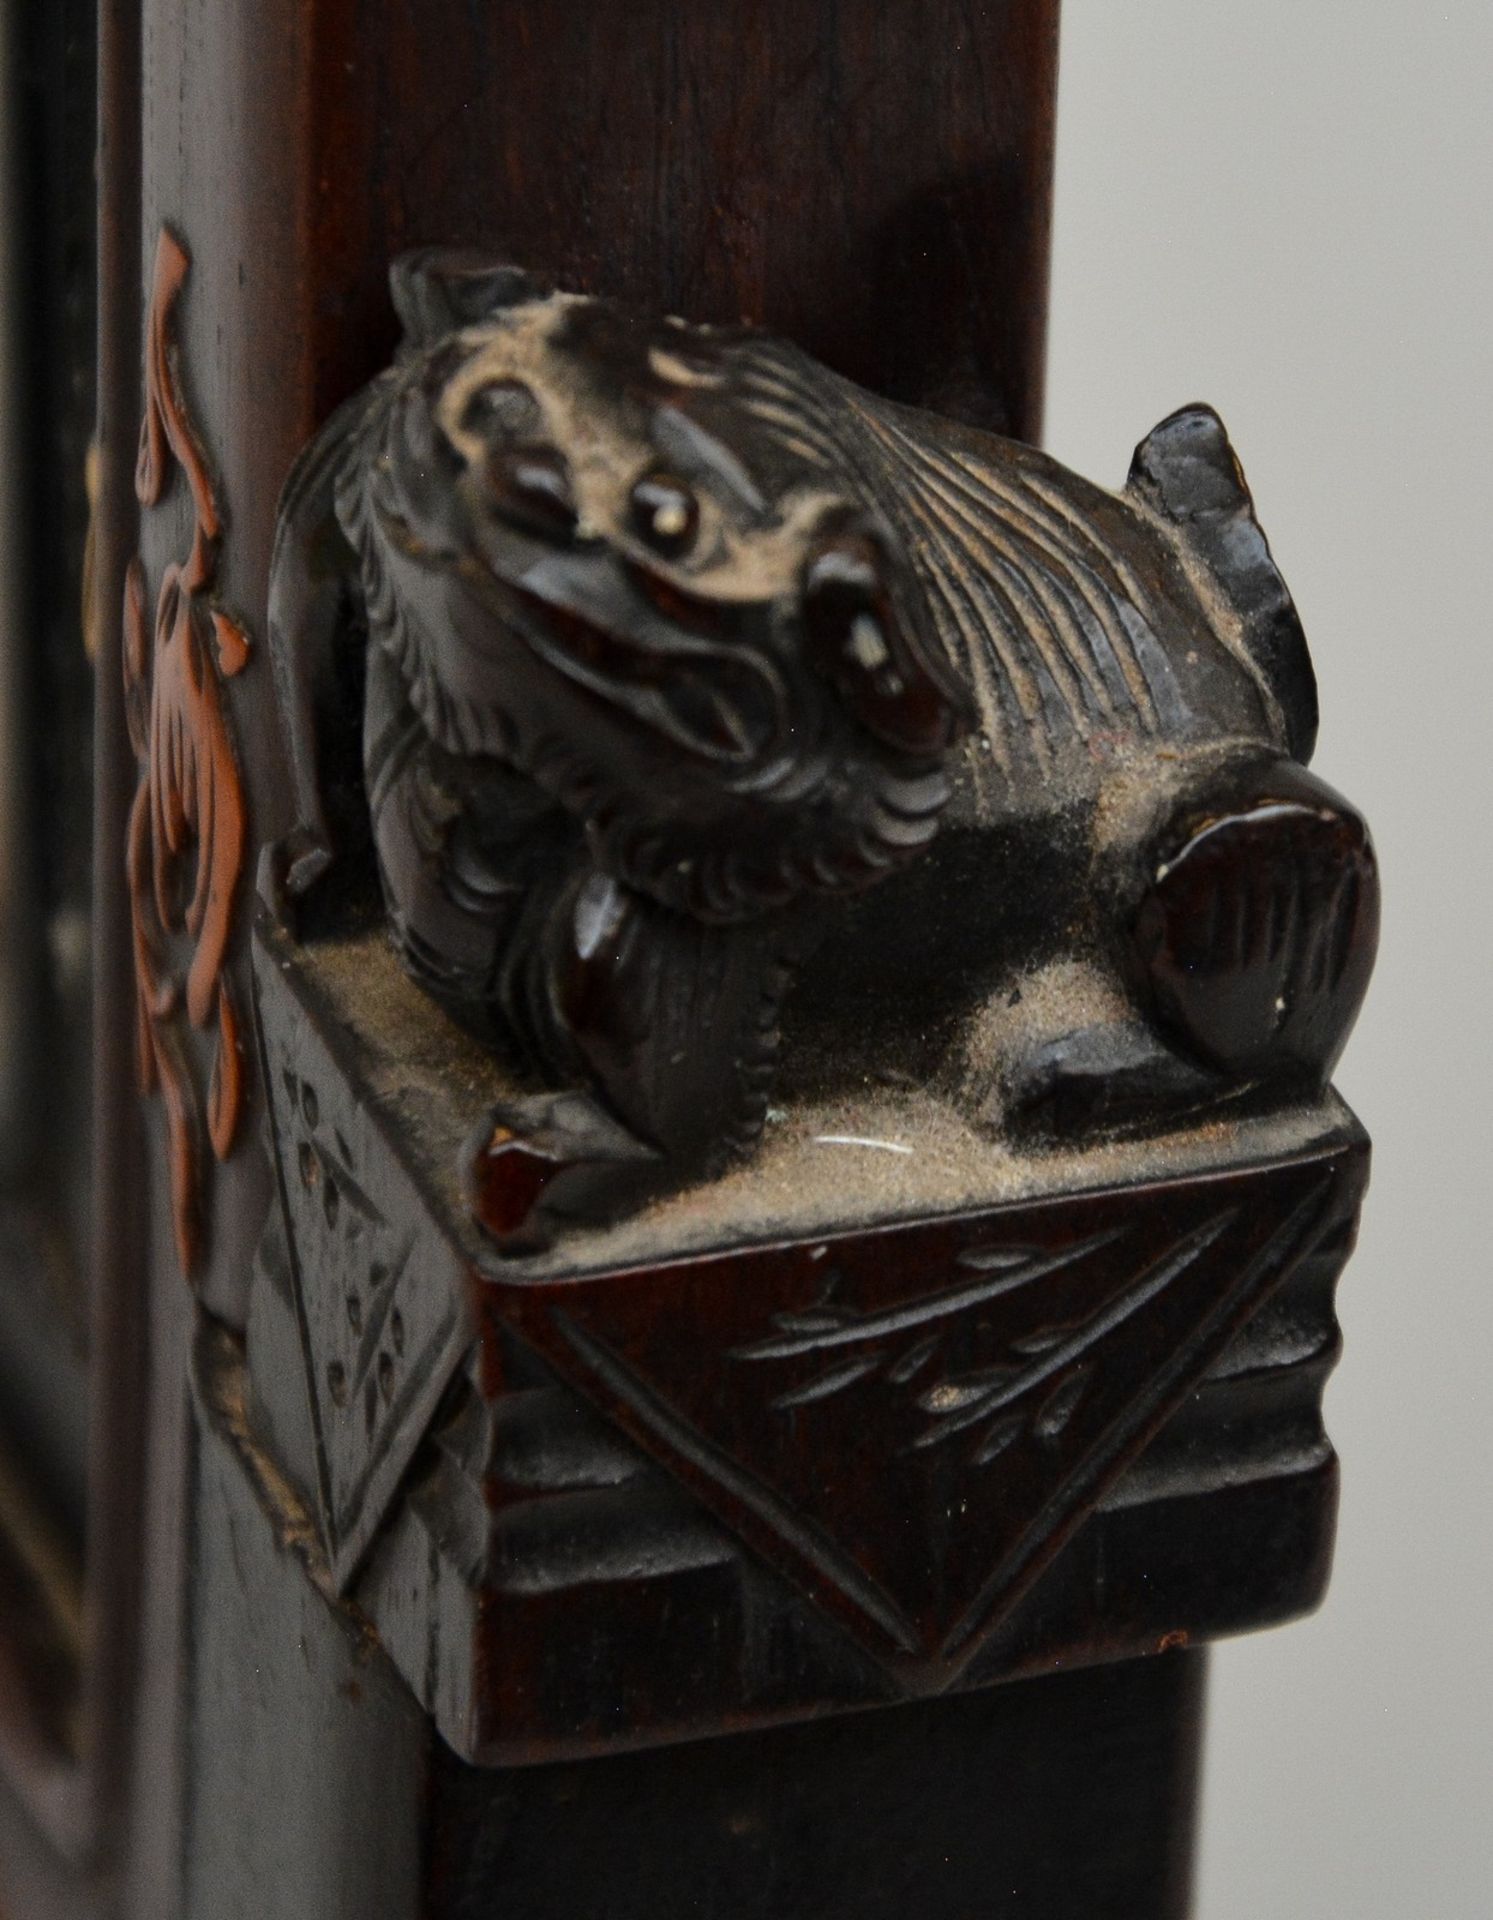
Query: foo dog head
x=607 y=561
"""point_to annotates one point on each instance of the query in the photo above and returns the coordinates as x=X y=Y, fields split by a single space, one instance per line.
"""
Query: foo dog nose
x=532 y=487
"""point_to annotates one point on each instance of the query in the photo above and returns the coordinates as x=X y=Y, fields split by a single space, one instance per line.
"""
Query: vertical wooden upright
x=873 y=180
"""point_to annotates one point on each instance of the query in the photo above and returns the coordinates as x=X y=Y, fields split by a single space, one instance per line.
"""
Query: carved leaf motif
x=829 y=1326
x=997 y=1439
x=1034 y=1388
x=826 y=1384
x=815 y=1320
x=1059 y=1407
x=914 y=1360
x=1045 y=1381
x=188 y=829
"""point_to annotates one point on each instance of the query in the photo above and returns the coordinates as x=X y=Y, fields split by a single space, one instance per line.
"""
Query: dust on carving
x=718 y=718
x=188 y=828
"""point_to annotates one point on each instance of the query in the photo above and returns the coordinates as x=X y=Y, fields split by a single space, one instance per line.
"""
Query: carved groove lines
x=1067 y=618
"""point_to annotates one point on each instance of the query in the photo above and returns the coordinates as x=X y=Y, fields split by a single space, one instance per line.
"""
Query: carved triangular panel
x=910 y=1424
x=379 y=1292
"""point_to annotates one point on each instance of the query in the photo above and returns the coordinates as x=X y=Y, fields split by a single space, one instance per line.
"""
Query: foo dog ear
x=437 y=290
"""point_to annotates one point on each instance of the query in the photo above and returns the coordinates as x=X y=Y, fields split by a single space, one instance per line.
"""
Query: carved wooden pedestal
x=880 y=1417
x=807 y=1440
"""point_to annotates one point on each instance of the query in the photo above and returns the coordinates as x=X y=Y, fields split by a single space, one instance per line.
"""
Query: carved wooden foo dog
x=690 y=1255
x=751 y=771
x=703 y=692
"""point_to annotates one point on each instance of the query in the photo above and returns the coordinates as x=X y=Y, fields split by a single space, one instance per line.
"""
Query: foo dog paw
x=1254 y=938
x=1109 y=1079
x=538 y=1164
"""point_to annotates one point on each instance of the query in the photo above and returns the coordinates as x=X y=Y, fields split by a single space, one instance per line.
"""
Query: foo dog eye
x=857 y=642
x=503 y=410
x=530 y=480
x=665 y=513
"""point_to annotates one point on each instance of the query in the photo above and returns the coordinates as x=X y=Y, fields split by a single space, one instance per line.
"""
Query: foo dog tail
x=1188 y=474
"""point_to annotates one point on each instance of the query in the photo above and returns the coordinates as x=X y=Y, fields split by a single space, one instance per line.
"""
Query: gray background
x=1284 y=207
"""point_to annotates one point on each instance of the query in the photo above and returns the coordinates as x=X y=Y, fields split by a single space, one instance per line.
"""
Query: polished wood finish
x=762 y=1455
x=399 y=1599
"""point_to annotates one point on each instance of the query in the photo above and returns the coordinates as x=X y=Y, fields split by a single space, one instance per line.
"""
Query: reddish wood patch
x=188 y=829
